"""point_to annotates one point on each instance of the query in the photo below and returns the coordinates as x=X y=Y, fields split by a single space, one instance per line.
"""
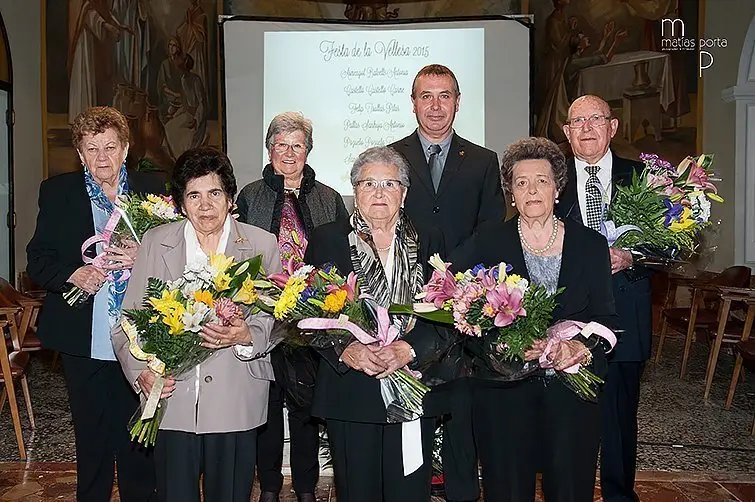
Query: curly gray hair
x=289 y=122
x=532 y=148
x=380 y=155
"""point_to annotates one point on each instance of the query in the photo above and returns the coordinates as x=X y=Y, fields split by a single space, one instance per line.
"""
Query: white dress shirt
x=195 y=254
x=604 y=175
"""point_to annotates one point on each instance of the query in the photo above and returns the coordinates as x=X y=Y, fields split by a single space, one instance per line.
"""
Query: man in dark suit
x=592 y=175
x=455 y=187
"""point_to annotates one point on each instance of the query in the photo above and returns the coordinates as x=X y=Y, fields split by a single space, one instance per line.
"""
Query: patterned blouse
x=292 y=237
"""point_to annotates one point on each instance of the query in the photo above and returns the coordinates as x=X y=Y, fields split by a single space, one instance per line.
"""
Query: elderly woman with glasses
x=290 y=203
x=382 y=247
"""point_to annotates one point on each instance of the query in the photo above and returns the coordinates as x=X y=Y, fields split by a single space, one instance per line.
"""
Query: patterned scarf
x=103 y=208
x=407 y=274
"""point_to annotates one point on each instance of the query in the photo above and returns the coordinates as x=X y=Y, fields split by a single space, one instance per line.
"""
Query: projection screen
x=354 y=82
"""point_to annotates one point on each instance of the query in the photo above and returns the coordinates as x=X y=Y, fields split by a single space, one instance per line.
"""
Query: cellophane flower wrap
x=134 y=214
x=660 y=215
x=165 y=331
x=502 y=312
x=331 y=314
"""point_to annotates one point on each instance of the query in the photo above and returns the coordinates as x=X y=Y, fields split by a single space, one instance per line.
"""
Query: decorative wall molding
x=743 y=95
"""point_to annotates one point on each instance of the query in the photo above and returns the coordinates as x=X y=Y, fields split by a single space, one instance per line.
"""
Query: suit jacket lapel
x=569 y=200
x=622 y=171
x=79 y=199
x=418 y=162
x=175 y=254
x=518 y=265
x=453 y=162
x=568 y=273
x=568 y=257
x=238 y=245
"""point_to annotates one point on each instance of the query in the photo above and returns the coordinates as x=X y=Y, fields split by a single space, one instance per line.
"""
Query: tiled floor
x=48 y=482
x=690 y=450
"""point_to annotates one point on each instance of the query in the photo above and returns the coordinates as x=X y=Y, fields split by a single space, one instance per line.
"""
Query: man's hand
x=395 y=356
x=620 y=259
x=363 y=358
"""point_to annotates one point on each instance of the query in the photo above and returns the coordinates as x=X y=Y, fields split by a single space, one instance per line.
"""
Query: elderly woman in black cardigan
x=290 y=203
x=538 y=424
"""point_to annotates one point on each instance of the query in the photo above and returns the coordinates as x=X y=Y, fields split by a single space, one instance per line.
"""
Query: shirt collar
x=444 y=145
x=194 y=251
x=605 y=163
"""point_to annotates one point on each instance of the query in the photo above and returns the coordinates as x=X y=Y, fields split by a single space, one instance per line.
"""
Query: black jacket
x=469 y=192
x=342 y=393
x=260 y=203
x=631 y=287
x=585 y=271
x=64 y=222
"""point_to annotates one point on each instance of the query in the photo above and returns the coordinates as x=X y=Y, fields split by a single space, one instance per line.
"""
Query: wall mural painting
x=154 y=60
x=615 y=49
x=372 y=11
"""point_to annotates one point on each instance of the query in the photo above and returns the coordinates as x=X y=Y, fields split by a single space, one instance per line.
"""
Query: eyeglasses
x=283 y=148
x=594 y=120
x=370 y=185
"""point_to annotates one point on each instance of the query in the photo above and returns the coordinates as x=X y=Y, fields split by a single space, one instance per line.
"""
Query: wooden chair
x=729 y=332
x=745 y=355
x=29 y=287
x=13 y=365
x=703 y=312
x=26 y=320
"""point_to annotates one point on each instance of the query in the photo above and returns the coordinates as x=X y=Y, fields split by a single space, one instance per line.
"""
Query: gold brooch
x=461 y=153
x=240 y=240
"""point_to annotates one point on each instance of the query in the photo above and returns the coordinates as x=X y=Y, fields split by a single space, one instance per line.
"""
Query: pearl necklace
x=383 y=249
x=551 y=241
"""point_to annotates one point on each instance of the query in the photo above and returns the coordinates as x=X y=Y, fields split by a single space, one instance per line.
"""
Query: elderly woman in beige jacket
x=209 y=426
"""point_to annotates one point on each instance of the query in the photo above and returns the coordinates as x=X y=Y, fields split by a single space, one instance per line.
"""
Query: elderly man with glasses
x=591 y=177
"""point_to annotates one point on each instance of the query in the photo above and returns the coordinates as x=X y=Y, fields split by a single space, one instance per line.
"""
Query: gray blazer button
x=208 y=379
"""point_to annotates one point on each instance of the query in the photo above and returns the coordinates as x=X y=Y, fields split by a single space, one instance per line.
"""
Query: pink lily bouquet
x=503 y=310
x=332 y=313
x=133 y=215
x=661 y=214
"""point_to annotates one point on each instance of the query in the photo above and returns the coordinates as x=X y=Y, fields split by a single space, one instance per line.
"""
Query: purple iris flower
x=478 y=268
x=673 y=212
x=307 y=294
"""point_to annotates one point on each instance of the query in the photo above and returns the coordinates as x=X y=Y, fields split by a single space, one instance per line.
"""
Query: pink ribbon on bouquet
x=566 y=330
x=105 y=237
x=387 y=333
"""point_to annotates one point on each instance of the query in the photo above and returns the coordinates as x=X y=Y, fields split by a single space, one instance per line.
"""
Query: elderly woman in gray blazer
x=212 y=413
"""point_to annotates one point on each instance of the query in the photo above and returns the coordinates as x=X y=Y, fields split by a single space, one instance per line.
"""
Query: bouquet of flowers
x=504 y=309
x=165 y=331
x=133 y=215
x=659 y=216
x=332 y=313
